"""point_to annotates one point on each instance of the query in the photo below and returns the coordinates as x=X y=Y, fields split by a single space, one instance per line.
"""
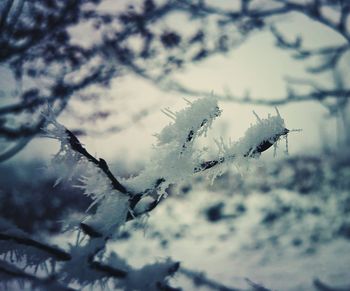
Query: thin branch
x=290 y=98
x=319 y=285
x=15 y=149
x=60 y=255
x=19 y=107
x=199 y=279
x=26 y=132
x=101 y=163
x=59 y=91
x=255 y=286
x=15 y=273
x=53 y=251
x=4 y=13
x=206 y=165
x=112 y=272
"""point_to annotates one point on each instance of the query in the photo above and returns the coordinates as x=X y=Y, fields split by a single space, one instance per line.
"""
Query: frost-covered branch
x=256 y=287
x=257 y=139
x=175 y=159
x=319 y=285
x=80 y=264
x=9 y=272
x=199 y=279
x=19 y=245
x=101 y=163
x=52 y=251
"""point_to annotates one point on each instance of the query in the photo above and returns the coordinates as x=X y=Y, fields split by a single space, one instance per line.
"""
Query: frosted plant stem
x=199 y=279
x=101 y=163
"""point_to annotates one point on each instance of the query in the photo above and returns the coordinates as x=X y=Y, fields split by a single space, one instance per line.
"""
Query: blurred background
x=108 y=68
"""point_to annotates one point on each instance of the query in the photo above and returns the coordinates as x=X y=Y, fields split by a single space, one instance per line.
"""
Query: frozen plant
x=116 y=201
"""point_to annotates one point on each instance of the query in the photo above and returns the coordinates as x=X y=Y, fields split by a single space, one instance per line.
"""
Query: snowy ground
x=281 y=225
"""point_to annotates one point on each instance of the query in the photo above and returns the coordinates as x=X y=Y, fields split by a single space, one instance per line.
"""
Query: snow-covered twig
x=176 y=167
x=9 y=272
x=101 y=163
x=55 y=253
x=52 y=251
x=175 y=159
x=79 y=265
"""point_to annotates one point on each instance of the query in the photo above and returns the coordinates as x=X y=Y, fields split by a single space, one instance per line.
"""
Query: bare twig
x=52 y=251
x=256 y=287
x=292 y=97
x=15 y=149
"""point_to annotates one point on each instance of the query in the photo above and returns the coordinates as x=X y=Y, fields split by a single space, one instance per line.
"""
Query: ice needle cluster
x=174 y=159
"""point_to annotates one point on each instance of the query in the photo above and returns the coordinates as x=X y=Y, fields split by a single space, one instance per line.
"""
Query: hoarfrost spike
x=257 y=116
x=188 y=101
x=169 y=113
x=278 y=113
x=296 y=130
